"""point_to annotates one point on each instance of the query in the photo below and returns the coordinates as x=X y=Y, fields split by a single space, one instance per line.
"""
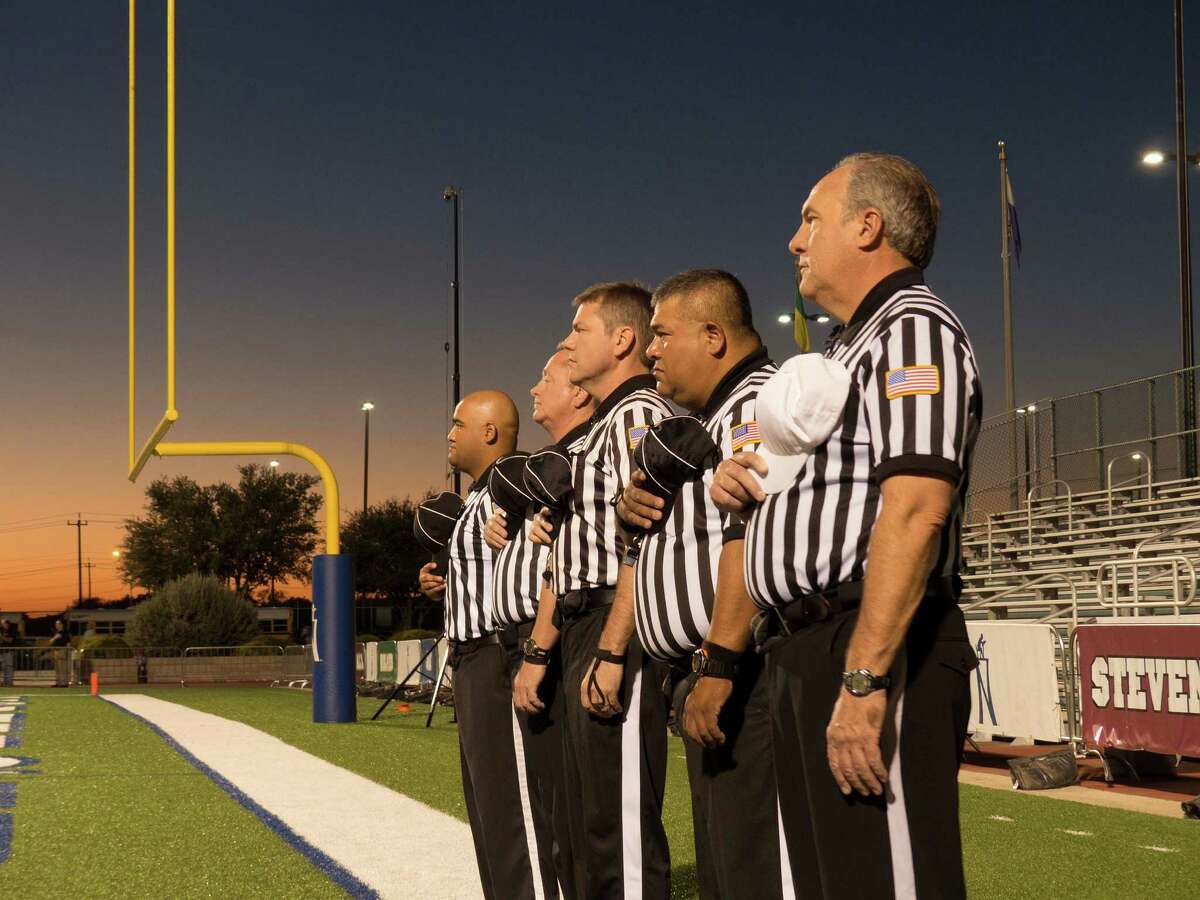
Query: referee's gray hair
x=904 y=197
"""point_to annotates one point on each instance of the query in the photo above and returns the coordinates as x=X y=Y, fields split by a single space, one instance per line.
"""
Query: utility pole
x=89 y=565
x=78 y=525
x=1183 y=212
x=451 y=195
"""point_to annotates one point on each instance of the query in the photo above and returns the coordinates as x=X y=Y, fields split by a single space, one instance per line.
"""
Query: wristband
x=721 y=654
x=608 y=657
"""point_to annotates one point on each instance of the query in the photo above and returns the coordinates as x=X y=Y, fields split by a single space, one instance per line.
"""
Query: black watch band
x=610 y=657
x=535 y=655
x=706 y=664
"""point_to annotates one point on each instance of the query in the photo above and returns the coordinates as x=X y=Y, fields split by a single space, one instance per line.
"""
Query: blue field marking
x=8 y=794
x=6 y=833
x=332 y=870
x=12 y=738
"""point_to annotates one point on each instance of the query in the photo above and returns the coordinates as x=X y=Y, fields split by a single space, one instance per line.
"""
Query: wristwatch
x=706 y=665
x=535 y=655
x=861 y=682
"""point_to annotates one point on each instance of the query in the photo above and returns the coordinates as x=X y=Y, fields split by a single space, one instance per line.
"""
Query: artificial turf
x=1015 y=845
x=110 y=810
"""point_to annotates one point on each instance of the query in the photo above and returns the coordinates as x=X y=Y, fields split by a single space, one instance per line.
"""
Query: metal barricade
x=35 y=666
x=251 y=663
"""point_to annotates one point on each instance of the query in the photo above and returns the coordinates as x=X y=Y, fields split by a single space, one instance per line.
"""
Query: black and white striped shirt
x=586 y=548
x=468 y=598
x=914 y=407
x=676 y=579
x=519 y=565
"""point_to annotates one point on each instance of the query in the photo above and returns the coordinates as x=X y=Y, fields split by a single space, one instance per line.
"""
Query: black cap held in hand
x=675 y=451
x=506 y=484
x=435 y=518
x=548 y=477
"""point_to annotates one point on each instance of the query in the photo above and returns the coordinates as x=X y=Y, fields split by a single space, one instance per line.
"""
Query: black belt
x=574 y=604
x=461 y=649
x=778 y=622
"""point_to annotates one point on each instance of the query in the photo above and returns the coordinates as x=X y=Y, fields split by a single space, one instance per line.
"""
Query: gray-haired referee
x=856 y=564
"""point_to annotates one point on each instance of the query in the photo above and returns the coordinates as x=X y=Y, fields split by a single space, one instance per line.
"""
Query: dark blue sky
x=609 y=141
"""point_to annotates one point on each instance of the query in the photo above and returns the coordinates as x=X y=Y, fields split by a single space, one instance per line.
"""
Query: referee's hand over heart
x=734 y=488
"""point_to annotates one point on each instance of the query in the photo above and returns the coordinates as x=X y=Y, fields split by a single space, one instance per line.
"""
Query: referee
x=563 y=410
x=856 y=563
x=484 y=428
x=693 y=612
x=615 y=741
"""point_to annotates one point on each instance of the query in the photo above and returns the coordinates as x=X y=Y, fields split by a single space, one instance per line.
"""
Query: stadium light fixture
x=274 y=464
x=368 y=406
x=1031 y=408
x=1136 y=456
x=116 y=554
x=784 y=319
x=1154 y=158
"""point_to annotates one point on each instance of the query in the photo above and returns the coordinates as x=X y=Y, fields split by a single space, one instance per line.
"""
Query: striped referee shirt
x=586 y=550
x=519 y=565
x=677 y=569
x=468 y=600
x=914 y=407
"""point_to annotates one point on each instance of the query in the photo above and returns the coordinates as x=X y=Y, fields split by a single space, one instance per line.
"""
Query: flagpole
x=1010 y=401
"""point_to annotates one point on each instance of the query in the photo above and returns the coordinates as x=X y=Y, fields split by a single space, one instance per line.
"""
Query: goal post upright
x=333 y=571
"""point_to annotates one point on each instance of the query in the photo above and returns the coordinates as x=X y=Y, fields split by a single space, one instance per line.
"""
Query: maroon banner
x=1140 y=687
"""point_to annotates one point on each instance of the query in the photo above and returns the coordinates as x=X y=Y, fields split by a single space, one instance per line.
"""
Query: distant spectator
x=59 y=638
x=8 y=643
x=90 y=631
x=305 y=635
x=61 y=641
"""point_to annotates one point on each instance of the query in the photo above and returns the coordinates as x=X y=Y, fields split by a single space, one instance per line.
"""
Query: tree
x=178 y=535
x=268 y=527
x=252 y=535
x=387 y=559
x=193 y=611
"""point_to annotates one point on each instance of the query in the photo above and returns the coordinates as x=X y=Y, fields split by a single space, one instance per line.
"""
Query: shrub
x=367 y=638
x=415 y=634
x=193 y=611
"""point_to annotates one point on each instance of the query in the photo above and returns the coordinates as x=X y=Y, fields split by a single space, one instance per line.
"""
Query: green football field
x=110 y=810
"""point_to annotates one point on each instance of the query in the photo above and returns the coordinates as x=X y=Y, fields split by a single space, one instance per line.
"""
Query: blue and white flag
x=1014 y=230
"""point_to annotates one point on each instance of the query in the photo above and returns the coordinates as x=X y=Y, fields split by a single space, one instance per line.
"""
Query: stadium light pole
x=819 y=318
x=366 y=408
x=1182 y=160
x=451 y=195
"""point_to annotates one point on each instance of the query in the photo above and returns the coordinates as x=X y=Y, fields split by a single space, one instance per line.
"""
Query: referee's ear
x=870 y=231
x=716 y=342
x=491 y=433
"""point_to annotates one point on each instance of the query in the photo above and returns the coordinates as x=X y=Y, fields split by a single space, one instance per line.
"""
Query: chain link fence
x=1070 y=441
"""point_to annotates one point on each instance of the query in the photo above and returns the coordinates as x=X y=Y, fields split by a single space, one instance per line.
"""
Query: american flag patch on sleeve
x=742 y=434
x=636 y=433
x=913 y=381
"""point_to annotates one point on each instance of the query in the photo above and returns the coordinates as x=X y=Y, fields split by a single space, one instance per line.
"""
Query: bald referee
x=693 y=612
x=616 y=716
x=521 y=578
x=856 y=562
x=484 y=428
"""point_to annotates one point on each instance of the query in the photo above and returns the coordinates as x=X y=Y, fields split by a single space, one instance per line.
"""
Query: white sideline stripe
x=631 y=792
x=527 y=809
x=356 y=822
x=904 y=878
x=785 y=861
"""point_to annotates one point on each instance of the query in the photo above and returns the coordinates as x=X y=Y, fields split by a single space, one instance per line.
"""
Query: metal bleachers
x=1130 y=549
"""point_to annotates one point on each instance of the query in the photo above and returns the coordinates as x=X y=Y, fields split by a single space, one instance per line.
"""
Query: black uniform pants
x=907 y=843
x=542 y=751
x=491 y=785
x=735 y=809
x=615 y=772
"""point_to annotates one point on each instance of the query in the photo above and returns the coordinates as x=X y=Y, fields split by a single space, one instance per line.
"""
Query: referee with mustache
x=693 y=612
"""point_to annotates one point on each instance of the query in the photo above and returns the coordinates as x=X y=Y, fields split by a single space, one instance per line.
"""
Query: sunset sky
x=615 y=141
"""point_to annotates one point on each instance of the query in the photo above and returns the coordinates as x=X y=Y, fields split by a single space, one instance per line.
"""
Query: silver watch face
x=859 y=683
